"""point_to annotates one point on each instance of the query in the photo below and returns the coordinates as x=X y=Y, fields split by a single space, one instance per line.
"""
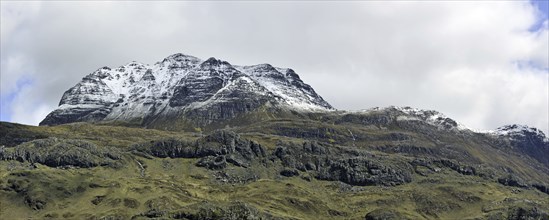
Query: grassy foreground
x=141 y=186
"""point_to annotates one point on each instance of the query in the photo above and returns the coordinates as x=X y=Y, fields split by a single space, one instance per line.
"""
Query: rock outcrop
x=56 y=152
x=215 y=150
x=350 y=166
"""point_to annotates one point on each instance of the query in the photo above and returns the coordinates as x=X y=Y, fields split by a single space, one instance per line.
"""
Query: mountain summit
x=183 y=87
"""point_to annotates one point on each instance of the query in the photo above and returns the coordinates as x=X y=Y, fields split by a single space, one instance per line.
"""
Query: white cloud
x=456 y=57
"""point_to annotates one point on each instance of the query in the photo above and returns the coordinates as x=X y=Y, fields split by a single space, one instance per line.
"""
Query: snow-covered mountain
x=182 y=84
x=183 y=88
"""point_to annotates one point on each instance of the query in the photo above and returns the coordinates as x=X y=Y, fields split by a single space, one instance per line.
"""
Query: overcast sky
x=484 y=64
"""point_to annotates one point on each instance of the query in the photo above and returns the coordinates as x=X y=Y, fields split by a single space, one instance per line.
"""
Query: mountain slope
x=321 y=165
x=177 y=86
x=220 y=141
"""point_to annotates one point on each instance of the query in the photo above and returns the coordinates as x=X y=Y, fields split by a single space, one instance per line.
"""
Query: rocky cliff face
x=183 y=86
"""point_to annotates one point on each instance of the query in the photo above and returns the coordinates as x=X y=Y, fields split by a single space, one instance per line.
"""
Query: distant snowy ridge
x=442 y=121
x=515 y=131
x=431 y=117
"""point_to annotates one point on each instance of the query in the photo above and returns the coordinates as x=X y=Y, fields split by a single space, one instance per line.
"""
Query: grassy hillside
x=313 y=167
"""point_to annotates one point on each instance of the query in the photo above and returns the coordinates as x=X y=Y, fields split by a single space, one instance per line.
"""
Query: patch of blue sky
x=528 y=64
x=6 y=100
x=543 y=17
x=543 y=8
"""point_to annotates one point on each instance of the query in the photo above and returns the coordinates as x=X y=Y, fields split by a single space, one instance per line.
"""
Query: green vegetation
x=297 y=168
